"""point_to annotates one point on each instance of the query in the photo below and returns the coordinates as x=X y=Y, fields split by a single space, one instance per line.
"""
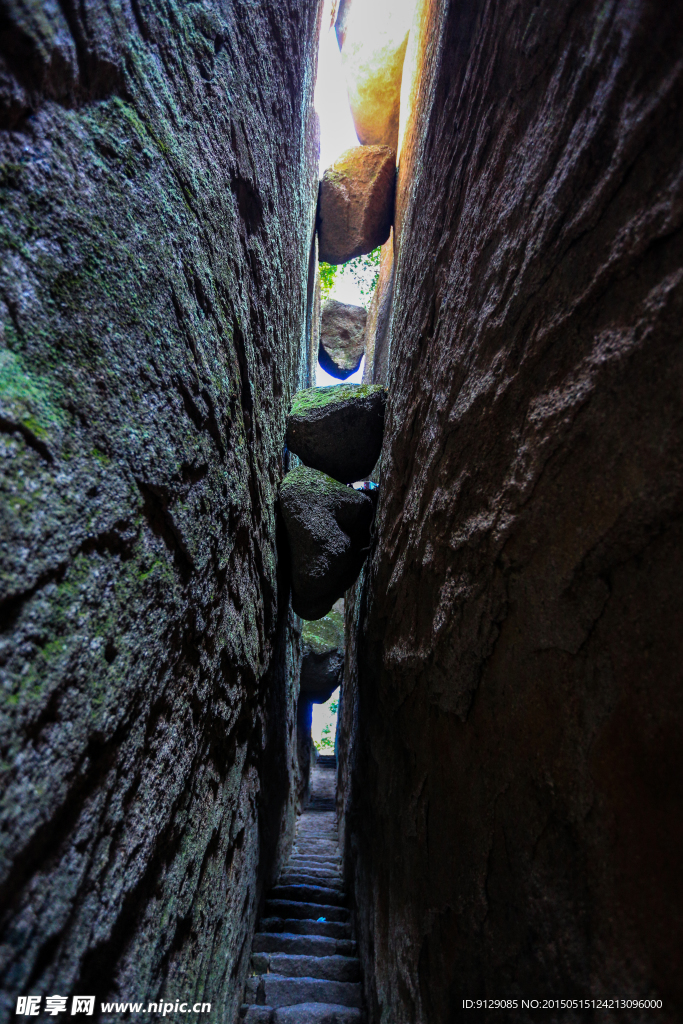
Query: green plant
x=328 y=272
x=364 y=270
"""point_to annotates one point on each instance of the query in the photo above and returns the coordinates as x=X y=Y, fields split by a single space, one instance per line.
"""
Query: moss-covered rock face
x=338 y=430
x=152 y=312
x=323 y=635
x=311 y=400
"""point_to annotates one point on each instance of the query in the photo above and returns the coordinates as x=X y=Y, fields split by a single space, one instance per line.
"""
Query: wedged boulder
x=338 y=429
x=373 y=40
x=342 y=338
x=322 y=666
x=356 y=203
x=328 y=529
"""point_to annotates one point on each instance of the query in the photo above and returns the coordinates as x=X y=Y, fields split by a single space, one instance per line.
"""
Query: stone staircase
x=304 y=964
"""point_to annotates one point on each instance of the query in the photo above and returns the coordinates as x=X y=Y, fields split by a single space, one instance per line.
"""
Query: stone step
x=324 y=878
x=303 y=945
x=323 y=822
x=318 y=1013
x=312 y=844
x=321 y=835
x=330 y=851
x=282 y=991
x=295 y=965
x=308 y=894
x=318 y=834
x=316 y=866
x=302 y=1013
x=321 y=861
x=296 y=926
x=314 y=911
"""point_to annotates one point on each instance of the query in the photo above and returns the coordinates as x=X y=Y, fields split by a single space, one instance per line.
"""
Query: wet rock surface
x=356 y=203
x=338 y=429
x=328 y=531
x=152 y=286
x=511 y=721
x=342 y=338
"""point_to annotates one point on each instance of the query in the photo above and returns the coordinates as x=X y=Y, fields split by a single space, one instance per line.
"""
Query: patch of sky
x=331 y=100
x=324 y=725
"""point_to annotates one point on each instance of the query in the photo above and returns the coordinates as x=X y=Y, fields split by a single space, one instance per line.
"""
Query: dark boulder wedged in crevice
x=338 y=429
x=328 y=530
x=322 y=657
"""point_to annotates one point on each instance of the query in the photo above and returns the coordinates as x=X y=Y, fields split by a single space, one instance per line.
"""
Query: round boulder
x=356 y=203
x=342 y=338
x=322 y=667
x=338 y=429
x=328 y=529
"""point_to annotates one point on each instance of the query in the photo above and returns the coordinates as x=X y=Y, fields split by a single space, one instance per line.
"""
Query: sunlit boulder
x=356 y=203
x=373 y=38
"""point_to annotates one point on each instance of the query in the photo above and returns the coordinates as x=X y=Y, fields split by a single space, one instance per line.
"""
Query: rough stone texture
x=328 y=530
x=322 y=665
x=512 y=773
x=377 y=332
x=314 y=303
x=158 y=199
x=306 y=752
x=356 y=203
x=373 y=39
x=342 y=338
x=338 y=429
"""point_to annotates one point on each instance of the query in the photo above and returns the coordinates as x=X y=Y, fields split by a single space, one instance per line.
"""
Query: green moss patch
x=312 y=482
x=319 y=398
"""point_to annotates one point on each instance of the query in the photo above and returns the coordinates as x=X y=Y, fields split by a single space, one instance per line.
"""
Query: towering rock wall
x=158 y=180
x=512 y=734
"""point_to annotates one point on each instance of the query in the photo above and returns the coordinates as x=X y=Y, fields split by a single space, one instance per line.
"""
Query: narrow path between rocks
x=304 y=964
